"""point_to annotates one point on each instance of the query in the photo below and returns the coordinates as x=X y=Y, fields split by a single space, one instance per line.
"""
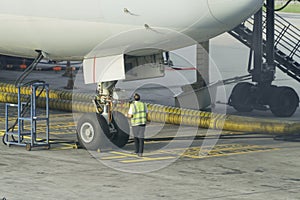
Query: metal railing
x=286 y=46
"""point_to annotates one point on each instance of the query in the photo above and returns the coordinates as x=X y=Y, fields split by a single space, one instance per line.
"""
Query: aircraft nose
x=233 y=11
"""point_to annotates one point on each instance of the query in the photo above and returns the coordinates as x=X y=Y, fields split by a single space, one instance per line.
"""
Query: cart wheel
x=28 y=147
x=48 y=147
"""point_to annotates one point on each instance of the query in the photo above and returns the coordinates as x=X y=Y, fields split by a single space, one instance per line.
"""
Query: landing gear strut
x=104 y=128
x=282 y=101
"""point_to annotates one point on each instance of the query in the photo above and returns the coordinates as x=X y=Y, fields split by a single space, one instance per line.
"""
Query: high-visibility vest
x=139 y=114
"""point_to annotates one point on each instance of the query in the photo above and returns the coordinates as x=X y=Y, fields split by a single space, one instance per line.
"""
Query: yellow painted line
x=53 y=132
x=236 y=153
x=139 y=159
x=119 y=155
x=216 y=153
x=113 y=157
x=226 y=148
x=66 y=145
x=62 y=133
x=60 y=148
x=57 y=126
x=124 y=154
x=229 y=149
x=61 y=115
x=146 y=159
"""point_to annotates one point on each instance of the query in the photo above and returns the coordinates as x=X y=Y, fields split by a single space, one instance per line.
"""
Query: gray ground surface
x=247 y=166
x=268 y=169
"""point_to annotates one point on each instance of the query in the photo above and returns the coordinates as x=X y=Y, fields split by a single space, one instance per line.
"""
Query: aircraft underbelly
x=73 y=40
x=94 y=28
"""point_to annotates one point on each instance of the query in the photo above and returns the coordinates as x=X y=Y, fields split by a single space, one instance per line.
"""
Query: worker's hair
x=137 y=97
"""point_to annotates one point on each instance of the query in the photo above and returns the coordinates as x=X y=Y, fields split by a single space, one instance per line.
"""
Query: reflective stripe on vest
x=139 y=113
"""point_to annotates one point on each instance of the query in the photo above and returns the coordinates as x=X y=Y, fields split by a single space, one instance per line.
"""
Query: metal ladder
x=23 y=133
x=286 y=47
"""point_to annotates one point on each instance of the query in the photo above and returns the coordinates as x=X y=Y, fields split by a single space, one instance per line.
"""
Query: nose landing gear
x=104 y=129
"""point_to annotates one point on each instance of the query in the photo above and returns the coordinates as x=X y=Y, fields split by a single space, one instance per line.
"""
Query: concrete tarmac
x=247 y=166
x=222 y=165
x=199 y=164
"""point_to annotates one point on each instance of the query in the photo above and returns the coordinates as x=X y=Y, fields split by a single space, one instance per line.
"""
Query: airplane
x=112 y=38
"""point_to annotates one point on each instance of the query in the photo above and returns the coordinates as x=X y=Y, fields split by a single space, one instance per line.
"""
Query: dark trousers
x=139 y=135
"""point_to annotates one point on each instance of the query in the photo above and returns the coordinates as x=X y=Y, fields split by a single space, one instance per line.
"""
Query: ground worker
x=138 y=114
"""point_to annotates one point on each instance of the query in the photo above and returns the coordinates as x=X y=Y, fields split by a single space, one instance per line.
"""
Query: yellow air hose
x=78 y=102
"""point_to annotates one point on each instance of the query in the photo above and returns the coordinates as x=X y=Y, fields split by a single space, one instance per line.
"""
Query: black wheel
x=284 y=101
x=92 y=129
x=240 y=97
x=122 y=130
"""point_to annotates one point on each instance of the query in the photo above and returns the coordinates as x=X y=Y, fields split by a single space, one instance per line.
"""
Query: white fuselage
x=71 y=29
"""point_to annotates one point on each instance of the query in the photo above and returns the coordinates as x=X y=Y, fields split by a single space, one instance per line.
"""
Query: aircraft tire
x=121 y=136
x=240 y=97
x=284 y=102
x=92 y=129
